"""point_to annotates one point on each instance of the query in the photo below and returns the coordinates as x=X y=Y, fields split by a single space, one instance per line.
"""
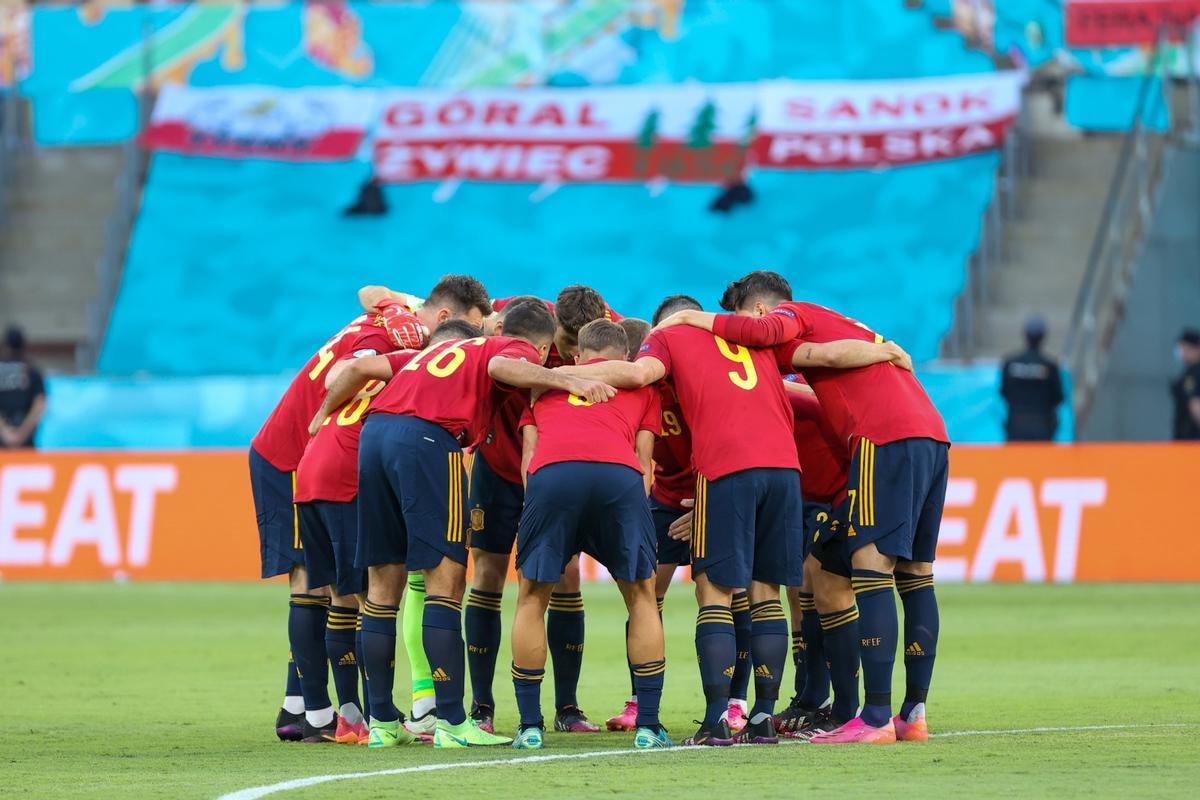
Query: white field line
x=255 y=792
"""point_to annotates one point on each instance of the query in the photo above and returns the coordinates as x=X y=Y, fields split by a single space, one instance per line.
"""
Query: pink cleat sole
x=858 y=732
x=625 y=721
x=915 y=731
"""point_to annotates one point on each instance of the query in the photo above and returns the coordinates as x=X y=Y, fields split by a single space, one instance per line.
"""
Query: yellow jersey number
x=353 y=411
x=671 y=426
x=447 y=360
x=747 y=377
x=325 y=354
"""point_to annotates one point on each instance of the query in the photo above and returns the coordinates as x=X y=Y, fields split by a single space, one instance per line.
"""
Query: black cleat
x=761 y=732
x=571 y=719
x=823 y=722
x=794 y=720
x=314 y=735
x=716 y=736
x=289 y=727
x=484 y=716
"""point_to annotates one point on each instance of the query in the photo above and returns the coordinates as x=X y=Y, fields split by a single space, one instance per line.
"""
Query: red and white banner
x=864 y=124
x=257 y=121
x=697 y=133
x=1112 y=23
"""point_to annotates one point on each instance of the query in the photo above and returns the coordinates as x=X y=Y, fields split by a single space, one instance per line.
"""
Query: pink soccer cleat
x=626 y=720
x=350 y=734
x=914 y=728
x=736 y=716
x=857 y=732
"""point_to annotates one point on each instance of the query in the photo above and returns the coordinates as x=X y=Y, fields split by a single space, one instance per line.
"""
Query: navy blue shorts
x=828 y=543
x=815 y=515
x=586 y=507
x=278 y=529
x=896 y=492
x=749 y=525
x=670 y=551
x=329 y=531
x=411 y=487
x=495 y=508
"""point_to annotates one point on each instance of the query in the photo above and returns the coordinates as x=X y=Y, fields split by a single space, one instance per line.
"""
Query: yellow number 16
x=739 y=355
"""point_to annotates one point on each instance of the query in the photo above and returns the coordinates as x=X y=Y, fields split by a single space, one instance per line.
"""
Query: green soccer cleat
x=652 y=738
x=465 y=734
x=388 y=734
x=531 y=738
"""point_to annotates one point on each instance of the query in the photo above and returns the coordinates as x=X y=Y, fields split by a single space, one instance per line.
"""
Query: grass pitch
x=135 y=690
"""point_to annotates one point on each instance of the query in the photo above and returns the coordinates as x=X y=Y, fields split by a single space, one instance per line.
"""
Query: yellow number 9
x=739 y=355
x=671 y=424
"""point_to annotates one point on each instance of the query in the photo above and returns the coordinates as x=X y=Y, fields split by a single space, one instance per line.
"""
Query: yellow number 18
x=739 y=355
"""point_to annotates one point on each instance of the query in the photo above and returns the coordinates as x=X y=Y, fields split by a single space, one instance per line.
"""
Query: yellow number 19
x=739 y=355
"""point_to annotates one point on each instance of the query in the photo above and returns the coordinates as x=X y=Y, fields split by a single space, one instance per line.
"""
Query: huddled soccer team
x=646 y=448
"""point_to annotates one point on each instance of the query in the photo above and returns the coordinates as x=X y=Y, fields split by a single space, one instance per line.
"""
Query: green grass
x=138 y=689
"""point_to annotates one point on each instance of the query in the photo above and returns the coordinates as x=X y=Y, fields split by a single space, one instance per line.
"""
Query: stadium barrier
x=1031 y=513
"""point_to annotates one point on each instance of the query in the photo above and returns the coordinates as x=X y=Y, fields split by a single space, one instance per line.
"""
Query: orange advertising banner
x=1013 y=513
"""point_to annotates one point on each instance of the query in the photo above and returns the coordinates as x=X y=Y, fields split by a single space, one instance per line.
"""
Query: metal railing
x=1116 y=248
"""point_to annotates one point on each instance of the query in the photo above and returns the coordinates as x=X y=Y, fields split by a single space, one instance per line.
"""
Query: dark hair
x=532 y=322
x=636 y=331
x=602 y=334
x=460 y=293
x=576 y=306
x=14 y=337
x=758 y=285
x=454 y=329
x=676 y=302
x=516 y=301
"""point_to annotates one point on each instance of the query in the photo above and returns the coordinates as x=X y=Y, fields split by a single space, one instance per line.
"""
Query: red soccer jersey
x=824 y=455
x=881 y=402
x=573 y=429
x=448 y=384
x=283 y=437
x=674 y=480
x=329 y=468
x=732 y=399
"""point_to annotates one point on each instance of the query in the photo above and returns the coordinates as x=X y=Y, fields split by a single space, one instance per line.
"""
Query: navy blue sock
x=528 y=686
x=815 y=679
x=564 y=638
x=339 y=648
x=293 y=677
x=481 y=625
x=716 y=650
x=632 y=680
x=379 y=659
x=878 y=628
x=769 y=647
x=362 y=665
x=441 y=633
x=648 y=686
x=740 y=683
x=920 y=636
x=306 y=633
x=842 y=649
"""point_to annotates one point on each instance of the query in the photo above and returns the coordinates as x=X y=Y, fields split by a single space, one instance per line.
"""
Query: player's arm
x=522 y=374
x=529 y=436
x=346 y=379
x=768 y=331
x=681 y=529
x=849 y=354
x=644 y=447
x=621 y=374
x=370 y=296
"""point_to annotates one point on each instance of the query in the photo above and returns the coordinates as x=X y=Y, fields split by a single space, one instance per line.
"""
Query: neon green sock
x=418 y=664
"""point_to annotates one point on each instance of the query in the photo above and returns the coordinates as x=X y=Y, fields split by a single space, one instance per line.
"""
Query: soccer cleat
x=652 y=738
x=823 y=724
x=483 y=716
x=857 y=732
x=311 y=734
x=531 y=738
x=571 y=719
x=718 y=736
x=796 y=720
x=388 y=734
x=626 y=720
x=735 y=715
x=762 y=732
x=289 y=726
x=350 y=734
x=465 y=734
x=424 y=725
x=914 y=728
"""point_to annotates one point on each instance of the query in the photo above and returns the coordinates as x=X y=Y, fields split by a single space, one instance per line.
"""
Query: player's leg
x=564 y=635
x=341 y=520
x=739 y=686
x=529 y=660
x=646 y=653
x=281 y=554
x=308 y=624
x=914 y=582
x=833 y=594
x=424 y=708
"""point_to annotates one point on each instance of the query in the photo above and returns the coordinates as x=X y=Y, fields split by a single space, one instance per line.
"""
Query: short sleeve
x=399 y=359
x=370 y=341
x=37 y=386
x=519 y=349
x=784 y=354
x=655 y=346
x=527 y=418
x=652 y=416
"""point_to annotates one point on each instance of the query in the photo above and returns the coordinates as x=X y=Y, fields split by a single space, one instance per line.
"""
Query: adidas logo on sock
x=347 y=660
x=729 y=672
x=440 y=675
x=762 y=671
x=914 y=649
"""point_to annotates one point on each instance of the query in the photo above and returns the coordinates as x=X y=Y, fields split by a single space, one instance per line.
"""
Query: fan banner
x=259 y=121
x=1112 y=23
x=868 y=124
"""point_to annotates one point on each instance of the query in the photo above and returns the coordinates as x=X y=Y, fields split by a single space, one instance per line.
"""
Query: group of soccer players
x=646 y=446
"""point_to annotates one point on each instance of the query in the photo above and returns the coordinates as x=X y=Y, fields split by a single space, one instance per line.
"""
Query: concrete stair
x=1046 y=247
x=58 y=202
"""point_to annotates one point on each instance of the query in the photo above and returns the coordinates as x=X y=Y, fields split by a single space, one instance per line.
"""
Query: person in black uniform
x=1185 y=390
x=22 y=393
x=1031 y=385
